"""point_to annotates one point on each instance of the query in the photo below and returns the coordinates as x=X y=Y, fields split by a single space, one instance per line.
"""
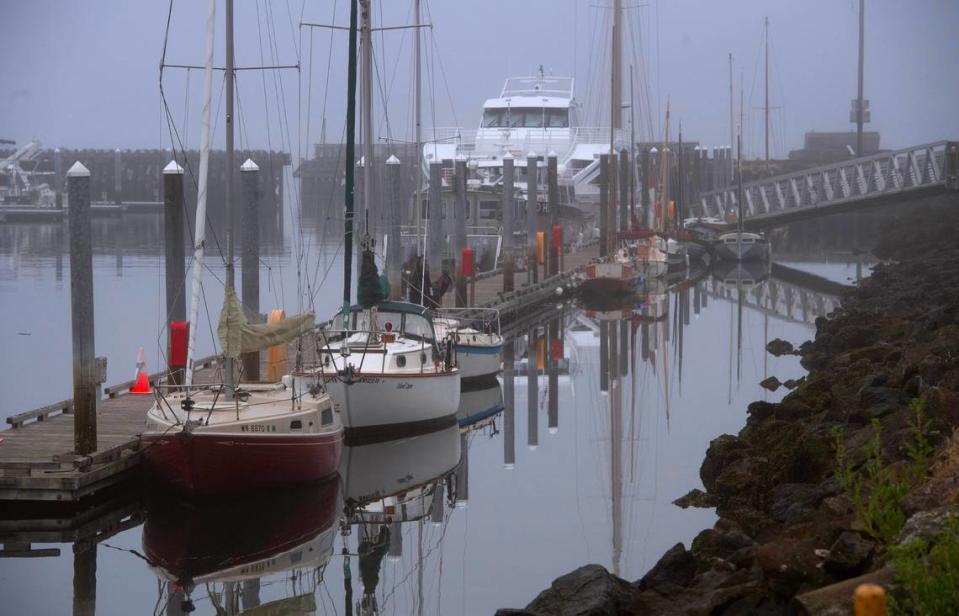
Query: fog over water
x=85 y=74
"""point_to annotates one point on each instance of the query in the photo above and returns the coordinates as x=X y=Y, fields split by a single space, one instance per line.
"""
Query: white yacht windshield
x=524 y=117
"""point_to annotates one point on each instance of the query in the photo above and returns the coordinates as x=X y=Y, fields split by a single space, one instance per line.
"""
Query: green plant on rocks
x=874 y=490
x=921 y=451
x=928 y=578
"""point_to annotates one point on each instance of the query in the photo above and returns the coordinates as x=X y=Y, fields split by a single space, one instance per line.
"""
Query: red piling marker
x=467 y=262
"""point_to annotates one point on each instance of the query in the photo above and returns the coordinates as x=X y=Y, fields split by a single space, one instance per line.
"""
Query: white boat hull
x=479 y=360
x=376 y=406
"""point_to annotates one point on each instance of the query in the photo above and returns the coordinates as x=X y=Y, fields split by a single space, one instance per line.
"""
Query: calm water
x=581 y=466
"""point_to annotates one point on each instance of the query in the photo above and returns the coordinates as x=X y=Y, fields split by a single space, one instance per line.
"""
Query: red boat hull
x=198 y=463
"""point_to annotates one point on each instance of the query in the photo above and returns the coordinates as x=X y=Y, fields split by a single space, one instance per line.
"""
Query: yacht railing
x=483 y=320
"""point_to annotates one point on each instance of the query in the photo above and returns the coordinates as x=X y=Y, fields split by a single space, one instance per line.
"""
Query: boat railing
x=544 y=139
x=485 y=320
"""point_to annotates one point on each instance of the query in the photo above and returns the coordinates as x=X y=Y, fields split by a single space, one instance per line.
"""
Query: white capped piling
x=434 y=225
x=623 y=190
x=509 y=222
x=394 y=255
x=58 y=176
x=174 y=254
x=509 y=405
x=117 y=175
x=459 y=211
x=531 y=205
x=250 y=258
x=532 y=391
x=81 y=312
x=603 y=202
x=552 y=200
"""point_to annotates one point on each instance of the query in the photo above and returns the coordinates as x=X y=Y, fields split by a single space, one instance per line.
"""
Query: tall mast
x=731 y=127
x=766 y=107
x=350 y=162
x=616 y=89
x=859 y=110
x=418 y=127
x=632 y=149
x=228 y=367
x=367 y=121
x=739 y=192
x=199 y=235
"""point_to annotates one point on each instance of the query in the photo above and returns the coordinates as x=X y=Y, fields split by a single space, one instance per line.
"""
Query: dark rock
x=509 y=611
x=675 y=570
x=927 y=524
x=758 y=411
x=790 y=501
x=696 y=498
x=787 y=564
x=877 y=395
x=849 y=554
x=770 y=383
x=590 y=590
x=793 y=383
x=722 y=450
x=779 y=347
x=720 y=543
x=741 y=476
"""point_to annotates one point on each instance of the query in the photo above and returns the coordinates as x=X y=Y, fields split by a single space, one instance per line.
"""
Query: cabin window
x=296 y=424
x=326 y=417
x=557 y=118
x=494 y=118
x=400 y=361
x=488 y=210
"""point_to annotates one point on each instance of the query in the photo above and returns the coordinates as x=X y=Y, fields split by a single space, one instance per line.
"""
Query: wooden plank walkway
x=37 y=462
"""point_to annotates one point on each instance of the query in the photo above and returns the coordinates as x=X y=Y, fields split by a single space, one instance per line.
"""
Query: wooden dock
x=37 y=463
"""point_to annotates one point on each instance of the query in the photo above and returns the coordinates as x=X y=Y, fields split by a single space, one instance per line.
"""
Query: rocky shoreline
x=818 y=488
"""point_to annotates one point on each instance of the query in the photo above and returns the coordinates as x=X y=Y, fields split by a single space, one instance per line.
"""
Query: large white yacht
x=538 y=115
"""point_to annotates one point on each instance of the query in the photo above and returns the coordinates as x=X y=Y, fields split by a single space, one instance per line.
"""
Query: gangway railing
x=919 y=171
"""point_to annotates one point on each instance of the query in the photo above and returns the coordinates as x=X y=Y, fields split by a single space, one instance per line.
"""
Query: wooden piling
x=509 y=223
x=462 y=475
x=459 y=210
x=531 y=205
x=117 y=176
x=84 y=576
x=81 y=311
x=552 y=187
x=552 y=361
x=612 y=204
x=435 y=223
x=624 y=190
x=250 y=258
x=603 y=203
x=174 y=252
x=644 y=194
x=394 y=256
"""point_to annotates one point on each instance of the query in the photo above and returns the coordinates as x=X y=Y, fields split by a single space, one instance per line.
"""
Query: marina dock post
x=552 y=188
x=117 y=176
x=85 y=578
x=509 y=223
x=460 y=208
x=552 y=368
x=623 y=189
x=532 y=270
x=174 y=255
x=250 y=259
x=85 y=379
x=462 y=473
x=58 y=177
x=603 y=202
x=393 y=256
x=612 y=203
x=435 y=222
x=644 y=188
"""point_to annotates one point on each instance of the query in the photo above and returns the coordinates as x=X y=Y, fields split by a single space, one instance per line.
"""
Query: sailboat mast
x=859 y=102
x=367 y=52
x=350 y=162
x=418 y=130
x=228 y=192
x=766 y=106
x=739 y=170
x=632 y=149
x=731 y=125
x=616 y=94
x=199 y=234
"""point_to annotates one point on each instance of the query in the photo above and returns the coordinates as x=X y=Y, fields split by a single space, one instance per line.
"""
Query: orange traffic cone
x=141 y=383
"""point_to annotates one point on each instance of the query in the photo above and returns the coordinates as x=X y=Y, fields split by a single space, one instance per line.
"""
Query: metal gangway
x=898 y=176
x=778 y=299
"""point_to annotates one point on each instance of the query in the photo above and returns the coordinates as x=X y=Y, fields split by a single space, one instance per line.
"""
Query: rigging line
x=436 y=47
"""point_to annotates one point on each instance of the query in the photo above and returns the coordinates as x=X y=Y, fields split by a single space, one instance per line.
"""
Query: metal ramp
x=890 y=177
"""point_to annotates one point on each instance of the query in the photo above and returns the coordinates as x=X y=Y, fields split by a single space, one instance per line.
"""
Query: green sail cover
x=237 y=335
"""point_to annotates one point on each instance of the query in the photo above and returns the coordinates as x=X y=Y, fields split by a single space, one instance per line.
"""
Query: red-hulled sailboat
x=232 y=437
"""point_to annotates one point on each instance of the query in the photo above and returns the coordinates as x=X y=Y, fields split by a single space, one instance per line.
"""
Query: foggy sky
x=85 y=74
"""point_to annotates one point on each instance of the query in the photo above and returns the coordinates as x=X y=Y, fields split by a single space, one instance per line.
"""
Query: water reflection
x=616 y=405
x=222 y=552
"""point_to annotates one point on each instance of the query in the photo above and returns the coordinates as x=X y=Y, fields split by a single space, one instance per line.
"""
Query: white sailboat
x=476 y=339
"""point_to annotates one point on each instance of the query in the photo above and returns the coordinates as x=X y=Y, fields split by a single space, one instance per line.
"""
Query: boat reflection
x=389 y=485
x=480 y=405
x=224 y=548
